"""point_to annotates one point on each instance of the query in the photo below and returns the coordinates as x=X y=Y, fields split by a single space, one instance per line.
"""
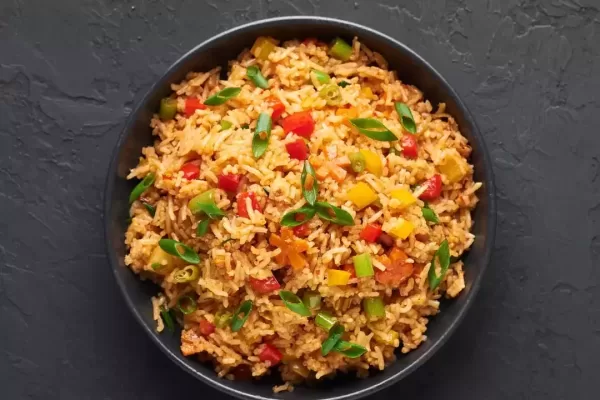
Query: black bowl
x=217 y=51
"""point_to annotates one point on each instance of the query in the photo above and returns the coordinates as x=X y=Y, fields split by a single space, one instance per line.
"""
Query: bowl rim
x=215 y=381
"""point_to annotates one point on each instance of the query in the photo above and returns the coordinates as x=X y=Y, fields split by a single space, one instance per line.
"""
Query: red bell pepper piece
x=191 y=105
x=229 y=182
x=278 y=108
x=371 y=233
x=297 y=150
x=301 y=230
x=301 y=123
x=409 y=146
x=191 y=170
x=206 y=328
x=264 y=286
x=433 y=188
x=241 y=202
x=270 y=354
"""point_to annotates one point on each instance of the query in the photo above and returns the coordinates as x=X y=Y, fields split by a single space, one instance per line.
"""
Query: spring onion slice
x=319 y=78
x=374 y=129
x=443 y=255
x=142 y=187
x=202 y=227
x=310 y=186
x=262 y=134
x=205 y=203
x=350 y=350
x=325 y=320
x=335 y=333
x=357 y=162
x=429 y=214
x=180 y=250
x=222 y=319
x=165 y=313
x=332 y=95
x=298 y=217
x=312 y=300
x=294 y=303
x=225 y=124
x=241 y=315
x=406 y=117
x=340 y=50
x=374 y=307
x=222 y=96
x=168 y=109
x=333 y=214
x=189 y=273
x=253 y=73
x=186 y=305
x=151 y=209
x=363 y=266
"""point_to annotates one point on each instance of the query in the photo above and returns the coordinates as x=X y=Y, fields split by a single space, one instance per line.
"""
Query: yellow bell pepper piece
x=453 y=166
x=263 y=46
x=402 y=229
x=337 y=277
x=372 y=162
x=160 y=261
x=368 y=93
x=362 y=195
x=404 y=196
x=388 y=338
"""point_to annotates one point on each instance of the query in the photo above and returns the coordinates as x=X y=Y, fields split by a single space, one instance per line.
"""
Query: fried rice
x=239 y=250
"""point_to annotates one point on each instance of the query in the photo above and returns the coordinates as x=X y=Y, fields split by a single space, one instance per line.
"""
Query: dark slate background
x=70 y=73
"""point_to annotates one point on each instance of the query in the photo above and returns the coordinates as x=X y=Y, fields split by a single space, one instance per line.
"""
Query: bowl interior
x=217 y=51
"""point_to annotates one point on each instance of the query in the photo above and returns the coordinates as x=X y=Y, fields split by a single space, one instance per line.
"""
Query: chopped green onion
x=151 y=209
x=202 y=227
x=156 y=266
x=332 y=95
x=340 y=50
x=406 y=117
x=222 y=96
x=168 y=109
x=294 y=303
x=175 y=248
x=310 y=189
x=205 y=203
x=186 y=305
x=312 y=300
x=429 y=214
x=253 y=73
x=225 y=125
x=443 y=255
x=350 y=350
x=343 y=84
x=222 y=319
x=189 y=273
x=260 y=140
x=333 y=214
x=374 y=307
x=363 y=265
x=142 y=187
x=335 y=334
x=241 y=315
x=357 y=162
x=226 y=241
x=319 y=78
x=325 y=320
x=245 y=126
x=298 y=217
x=374 y=129
x=165 y=313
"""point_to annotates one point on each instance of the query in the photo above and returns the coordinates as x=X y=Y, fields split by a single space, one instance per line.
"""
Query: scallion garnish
x=205 y=203
x=310 y=186
x=189 y=273
x=374 y=307
x=222 y=319
x=312 y=300
x=340 y=50
x=222 y=96
x=260 y=140
x=363 y=265
x=142 y=187
x=357 y=162
x=319 y=78
x=325 y=321
x=333 y=214
x=331 y=93
x=241 y=315
x=374 y=129
x=406 y=117
x=443 y=255
x=253 y=73
x=350 y=350
x=175 y=248
x=151 y=209
x=335 y=334
x=343 y=84
x=186 y=305
x=298 y=217
x=168 y=109
x=429 y=214
x=225 y=125
x=165 y=313
x=294 y=303
x=202 y=227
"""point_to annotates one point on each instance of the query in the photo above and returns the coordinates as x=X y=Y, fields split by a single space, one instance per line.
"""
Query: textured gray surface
x=70 y=72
